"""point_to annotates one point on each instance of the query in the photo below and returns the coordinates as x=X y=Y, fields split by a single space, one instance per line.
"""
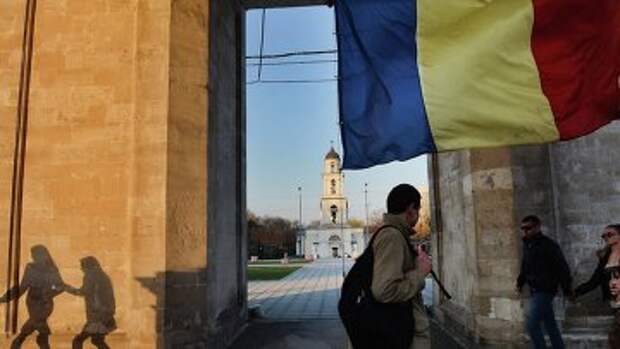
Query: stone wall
x=78 y=173
x=573 y=187
x=132 y=103
x=186 y=174
x=586 y=176
x=11 y=32
x=457 y=249
x=227 y=229
x=147 y=205
x=496 y=305
x=477 y=245
x=482 y=195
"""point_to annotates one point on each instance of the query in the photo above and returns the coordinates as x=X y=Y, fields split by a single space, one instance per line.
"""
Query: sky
x=290 y=126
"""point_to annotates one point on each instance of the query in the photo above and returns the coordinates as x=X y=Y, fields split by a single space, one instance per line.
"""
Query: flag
x=426 y=76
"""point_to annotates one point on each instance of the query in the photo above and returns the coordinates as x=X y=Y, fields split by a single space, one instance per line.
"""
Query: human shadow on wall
x=41 y=282
x=100 y=304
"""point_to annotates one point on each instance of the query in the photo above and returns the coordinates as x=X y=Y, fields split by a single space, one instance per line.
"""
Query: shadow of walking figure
x=100 y=304
x=42 y=281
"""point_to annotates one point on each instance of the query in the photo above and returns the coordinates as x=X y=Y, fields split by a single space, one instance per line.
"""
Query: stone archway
x=135 y=155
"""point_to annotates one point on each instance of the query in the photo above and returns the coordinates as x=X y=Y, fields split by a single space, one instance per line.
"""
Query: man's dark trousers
x=541 y=313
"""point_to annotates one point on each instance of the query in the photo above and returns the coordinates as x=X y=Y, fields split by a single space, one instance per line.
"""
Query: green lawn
x=277 y=261
x=269 y=273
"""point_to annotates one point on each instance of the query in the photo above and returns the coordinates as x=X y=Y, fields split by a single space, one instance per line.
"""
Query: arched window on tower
x=333 y=210
x=333 y=187
x=333 y=166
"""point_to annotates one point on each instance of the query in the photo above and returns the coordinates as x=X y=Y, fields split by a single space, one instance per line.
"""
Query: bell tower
x=334 y=206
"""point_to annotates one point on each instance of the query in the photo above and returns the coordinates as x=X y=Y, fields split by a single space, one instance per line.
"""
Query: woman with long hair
x=607 y=277
x=42 y=282
x=100 y=304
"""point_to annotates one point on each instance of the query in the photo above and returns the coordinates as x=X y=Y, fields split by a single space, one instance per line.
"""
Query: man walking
x=399 y=271
x=543 y=269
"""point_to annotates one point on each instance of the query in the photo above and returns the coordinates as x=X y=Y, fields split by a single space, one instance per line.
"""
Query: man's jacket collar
x=535 y=238
x=399 y=222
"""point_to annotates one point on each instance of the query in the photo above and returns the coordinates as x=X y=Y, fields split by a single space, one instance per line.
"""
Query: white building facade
x=334 y=237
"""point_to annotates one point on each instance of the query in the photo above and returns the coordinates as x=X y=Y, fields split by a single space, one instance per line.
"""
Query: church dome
x=332 y=154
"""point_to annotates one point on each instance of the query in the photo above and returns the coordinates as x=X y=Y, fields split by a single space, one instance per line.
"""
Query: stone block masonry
x=483 y=194
x=130 y=108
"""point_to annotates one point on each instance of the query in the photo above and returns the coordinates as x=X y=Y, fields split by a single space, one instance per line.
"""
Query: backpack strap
x=378 y=231
x=372 y=239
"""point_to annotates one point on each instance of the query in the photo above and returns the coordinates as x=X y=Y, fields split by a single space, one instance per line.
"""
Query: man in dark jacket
x=543 y=269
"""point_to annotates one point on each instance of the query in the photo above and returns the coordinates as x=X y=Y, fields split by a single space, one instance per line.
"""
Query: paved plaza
x=311 y=292
x=300 y=311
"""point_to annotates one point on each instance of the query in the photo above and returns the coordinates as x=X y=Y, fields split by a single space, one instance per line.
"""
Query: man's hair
x=401 y=197
x=615 y=227
x=531 y=219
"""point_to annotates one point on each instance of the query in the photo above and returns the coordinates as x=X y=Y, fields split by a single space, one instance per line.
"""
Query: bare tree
x=271 y=237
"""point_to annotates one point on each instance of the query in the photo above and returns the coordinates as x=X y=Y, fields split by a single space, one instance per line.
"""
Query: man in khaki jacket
x=398 y=276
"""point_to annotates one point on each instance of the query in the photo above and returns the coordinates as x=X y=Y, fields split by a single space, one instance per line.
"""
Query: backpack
x=371 y=324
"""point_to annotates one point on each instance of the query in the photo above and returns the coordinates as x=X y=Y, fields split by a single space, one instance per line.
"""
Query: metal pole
x=299 y=237
x=17 y=188
x=342 y=239
x=366 y=205
x=299 y=190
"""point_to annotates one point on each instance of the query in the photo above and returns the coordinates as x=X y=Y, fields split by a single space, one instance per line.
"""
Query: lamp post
x=366 y=208
x=334 y=211
x=342 y=241
x=299 y=190
x=299 y=227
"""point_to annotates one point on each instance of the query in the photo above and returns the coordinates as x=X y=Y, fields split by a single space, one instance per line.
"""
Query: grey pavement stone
x=301 y=310
x=309 y=334
x=311 y=292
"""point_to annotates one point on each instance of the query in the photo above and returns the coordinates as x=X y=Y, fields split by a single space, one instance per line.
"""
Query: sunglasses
x=608 y=234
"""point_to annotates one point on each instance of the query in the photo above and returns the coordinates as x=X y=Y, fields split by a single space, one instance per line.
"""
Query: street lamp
x=300 y=243
x=342 y=241
x=299 y=190
x=334 y=211
x=366 y=208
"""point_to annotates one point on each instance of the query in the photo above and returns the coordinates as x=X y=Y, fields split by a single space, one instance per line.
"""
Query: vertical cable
x=262 y=45
x=339 y=122
x=7 y=328
x=19 y=157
